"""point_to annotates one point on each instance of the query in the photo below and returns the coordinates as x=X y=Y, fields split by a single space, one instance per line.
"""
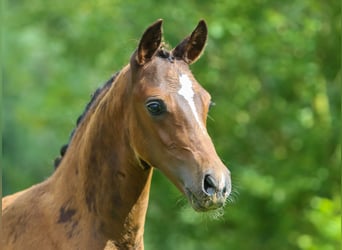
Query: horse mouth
x=204 y=203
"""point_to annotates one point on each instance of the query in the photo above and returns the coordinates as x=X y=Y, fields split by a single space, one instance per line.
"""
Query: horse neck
x=100 y=173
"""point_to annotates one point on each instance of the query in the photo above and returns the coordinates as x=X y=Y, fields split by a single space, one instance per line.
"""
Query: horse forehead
x=183 y=84
x=170 y=76
x=177 y=75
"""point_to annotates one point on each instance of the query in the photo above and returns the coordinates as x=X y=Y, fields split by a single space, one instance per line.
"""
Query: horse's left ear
x=149 y=42
x=191 y=48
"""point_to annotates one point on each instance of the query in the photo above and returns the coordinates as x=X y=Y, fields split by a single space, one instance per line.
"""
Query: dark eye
x=156 y=107
x=211 y=104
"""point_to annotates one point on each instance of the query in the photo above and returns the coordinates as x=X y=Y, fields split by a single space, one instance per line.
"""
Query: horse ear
x=191 y=48
x=149 y=42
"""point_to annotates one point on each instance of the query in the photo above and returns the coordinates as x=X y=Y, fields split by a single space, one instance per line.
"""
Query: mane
x=162 y=53
x=93 y=99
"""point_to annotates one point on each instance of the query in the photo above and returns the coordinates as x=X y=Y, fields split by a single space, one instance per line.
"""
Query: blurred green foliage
x=273 y=69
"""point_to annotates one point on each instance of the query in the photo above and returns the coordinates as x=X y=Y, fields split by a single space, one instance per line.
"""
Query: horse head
x=167 y=118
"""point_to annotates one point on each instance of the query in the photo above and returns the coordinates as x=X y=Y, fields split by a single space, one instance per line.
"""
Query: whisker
x=211 y=118
x=181 y=202
x=216 y=214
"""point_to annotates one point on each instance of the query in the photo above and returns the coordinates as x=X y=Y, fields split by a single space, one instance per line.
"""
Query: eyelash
x=211 y=104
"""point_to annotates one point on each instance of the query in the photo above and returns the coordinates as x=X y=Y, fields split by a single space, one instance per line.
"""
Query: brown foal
x=152 y=114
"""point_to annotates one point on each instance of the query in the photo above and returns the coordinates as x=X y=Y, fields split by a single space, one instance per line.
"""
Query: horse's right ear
x=149 y=43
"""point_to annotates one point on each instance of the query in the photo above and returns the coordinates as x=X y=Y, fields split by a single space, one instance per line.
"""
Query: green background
x=273 y=70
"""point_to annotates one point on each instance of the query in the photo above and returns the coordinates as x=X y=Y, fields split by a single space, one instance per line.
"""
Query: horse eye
x=211 y=104
x=156 y=107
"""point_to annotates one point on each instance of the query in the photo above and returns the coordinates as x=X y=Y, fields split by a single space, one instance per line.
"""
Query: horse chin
x=203 y=203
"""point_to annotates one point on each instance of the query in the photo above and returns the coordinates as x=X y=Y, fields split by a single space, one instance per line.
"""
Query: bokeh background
x=273 y=69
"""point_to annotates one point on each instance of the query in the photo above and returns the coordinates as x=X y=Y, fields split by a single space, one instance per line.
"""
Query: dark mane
x=163 y=53
x=94 y=96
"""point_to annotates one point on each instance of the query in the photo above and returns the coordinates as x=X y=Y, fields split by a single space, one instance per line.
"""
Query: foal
x=152 y=114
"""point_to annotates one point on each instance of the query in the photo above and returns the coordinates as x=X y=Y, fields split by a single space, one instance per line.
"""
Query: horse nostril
x=210 y=185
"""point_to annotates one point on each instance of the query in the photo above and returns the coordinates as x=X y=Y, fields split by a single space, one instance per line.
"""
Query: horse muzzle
x=213 y=193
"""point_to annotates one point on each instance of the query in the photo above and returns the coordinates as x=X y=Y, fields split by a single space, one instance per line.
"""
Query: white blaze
x=188 y=93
